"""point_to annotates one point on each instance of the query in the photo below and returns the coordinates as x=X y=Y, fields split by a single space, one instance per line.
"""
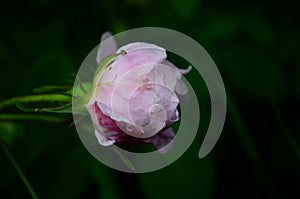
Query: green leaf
x=185 y=10
x=67 y=180
x=24 y=108
x=104 y=177
x=215 y=28
x=9 y=131
x=188 y=176
x=28 y=144
x=298 y=83
x=67 y=108
x=60 y=109
x=254 y=73
x=51 y=89
x=19 y=171
x=126 y=161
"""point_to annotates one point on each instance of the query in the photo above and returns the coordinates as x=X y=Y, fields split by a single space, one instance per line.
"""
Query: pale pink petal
x=167 y=99
x=105 y=121
x=126 y=63
x=102 y=139
x=158 y=118
x=108 y=46
x=186 y=71
x=140 y=104
x=93 y=115
x=135 y=59
x=164 y=75
x=174 y=117
x=180 y=86
x=106 y=129
x=163 y=141
x=182 y=71
x=121 y=92
x=138 y=46
x=135 y=95
x=112 y=114
x=99 y=130
x=104 y=93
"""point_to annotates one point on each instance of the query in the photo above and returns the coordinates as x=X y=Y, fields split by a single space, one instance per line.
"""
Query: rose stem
x=19 y=171
x=44 y=118
x=36 y=99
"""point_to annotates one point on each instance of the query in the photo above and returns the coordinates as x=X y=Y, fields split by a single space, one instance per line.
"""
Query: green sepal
x=24 y=108
x=51 y=89
x=80 y=89
x=67 y=108
x=105 y=63
x=81 y=95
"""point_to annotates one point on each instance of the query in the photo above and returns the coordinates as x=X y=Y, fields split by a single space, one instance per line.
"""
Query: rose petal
x=108 y=46
x=167 y=99
x=164 y=75
x=93 y=115
x=163 y=141
x=126 y=63
x=180 y=86
x=135 y=94
x=102 y=139
x=116 y=94
x=106 y=129
x=139 y=46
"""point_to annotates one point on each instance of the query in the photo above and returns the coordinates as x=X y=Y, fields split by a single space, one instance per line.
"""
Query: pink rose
x=133 y=99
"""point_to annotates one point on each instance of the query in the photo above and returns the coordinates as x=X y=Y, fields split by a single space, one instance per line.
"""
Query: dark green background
x=255 y=44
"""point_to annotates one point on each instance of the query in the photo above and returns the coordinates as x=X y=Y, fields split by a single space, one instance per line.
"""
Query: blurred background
x=255 y=45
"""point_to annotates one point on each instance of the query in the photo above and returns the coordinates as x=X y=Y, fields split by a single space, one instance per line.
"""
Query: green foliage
x=187 y=175
x=255 y=46
x=185 y=10
x=67 y=108
x=298 y=83
x=51 y=89
x=127 y=162
x=24 y=108
x=10 y=131
x=26 y=148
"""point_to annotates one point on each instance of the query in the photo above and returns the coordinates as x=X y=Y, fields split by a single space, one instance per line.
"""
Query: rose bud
x=133 y=98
